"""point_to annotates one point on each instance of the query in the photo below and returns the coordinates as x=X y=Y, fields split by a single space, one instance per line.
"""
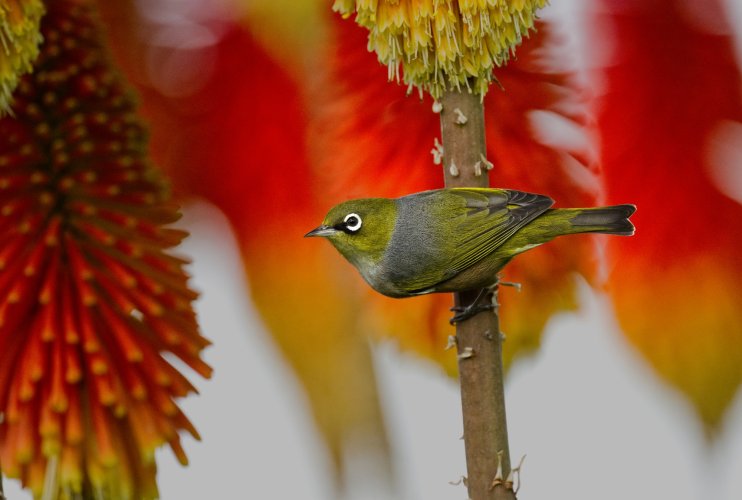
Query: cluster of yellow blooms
x=19 y=43
x=443 y=44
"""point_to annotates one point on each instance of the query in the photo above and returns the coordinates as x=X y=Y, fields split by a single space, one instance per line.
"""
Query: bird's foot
x=464 y=313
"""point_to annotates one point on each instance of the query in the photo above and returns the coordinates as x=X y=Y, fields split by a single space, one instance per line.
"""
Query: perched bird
x=454 y=239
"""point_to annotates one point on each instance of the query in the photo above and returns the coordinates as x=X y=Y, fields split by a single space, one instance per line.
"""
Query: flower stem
x=478 y=339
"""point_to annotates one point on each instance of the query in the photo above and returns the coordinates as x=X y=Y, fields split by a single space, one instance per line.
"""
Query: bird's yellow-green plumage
x=450 y=240
x=363 y=248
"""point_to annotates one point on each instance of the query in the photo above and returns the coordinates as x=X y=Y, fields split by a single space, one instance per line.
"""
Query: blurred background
x=624 y=357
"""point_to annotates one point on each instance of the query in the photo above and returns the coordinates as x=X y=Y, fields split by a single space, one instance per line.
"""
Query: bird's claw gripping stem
x=479 y=305
x=464 y=313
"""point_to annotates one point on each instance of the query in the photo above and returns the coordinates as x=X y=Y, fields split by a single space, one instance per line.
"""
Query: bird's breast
x=384 y=282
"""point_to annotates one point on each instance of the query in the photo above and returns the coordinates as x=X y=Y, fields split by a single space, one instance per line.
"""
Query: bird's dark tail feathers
x=608 y=220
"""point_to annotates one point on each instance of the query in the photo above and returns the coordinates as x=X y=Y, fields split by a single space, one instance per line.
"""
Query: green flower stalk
x=443 y=44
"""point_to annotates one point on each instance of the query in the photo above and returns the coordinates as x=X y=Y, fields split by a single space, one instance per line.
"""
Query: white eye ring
x=352 y=222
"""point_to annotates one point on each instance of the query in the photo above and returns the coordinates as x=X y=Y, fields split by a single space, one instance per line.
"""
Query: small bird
x=453 y=239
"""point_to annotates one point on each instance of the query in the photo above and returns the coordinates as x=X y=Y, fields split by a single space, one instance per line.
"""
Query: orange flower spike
x=252 y=132
x=672 y=91
x=81 y=212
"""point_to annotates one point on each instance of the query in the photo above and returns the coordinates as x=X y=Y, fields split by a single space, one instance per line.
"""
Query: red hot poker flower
x=245 y=119
x=89 y=297
x=672 y=88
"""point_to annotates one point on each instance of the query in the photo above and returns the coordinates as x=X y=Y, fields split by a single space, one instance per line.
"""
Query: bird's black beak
x=321 y=231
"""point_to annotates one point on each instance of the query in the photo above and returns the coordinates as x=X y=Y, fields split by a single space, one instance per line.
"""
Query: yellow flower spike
x=19 y=43
x=443 y=44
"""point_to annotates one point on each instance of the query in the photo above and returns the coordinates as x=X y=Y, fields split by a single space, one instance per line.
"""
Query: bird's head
x=360 y=229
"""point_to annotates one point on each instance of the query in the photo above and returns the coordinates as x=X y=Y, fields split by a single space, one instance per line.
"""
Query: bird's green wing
x=486 y=218
x=476 y=222
x=482 y=220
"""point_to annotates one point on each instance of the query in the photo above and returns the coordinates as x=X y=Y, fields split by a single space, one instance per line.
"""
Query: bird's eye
x=352 y=222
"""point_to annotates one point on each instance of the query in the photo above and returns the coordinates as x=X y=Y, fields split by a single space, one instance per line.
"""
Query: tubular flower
x=443 y=44
x=90 y=299
x=19 y=43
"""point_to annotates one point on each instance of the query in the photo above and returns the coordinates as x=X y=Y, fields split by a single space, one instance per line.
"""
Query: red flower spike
x=371 y=140
x=86 y=286
x=671 y=84
x=251 y=133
